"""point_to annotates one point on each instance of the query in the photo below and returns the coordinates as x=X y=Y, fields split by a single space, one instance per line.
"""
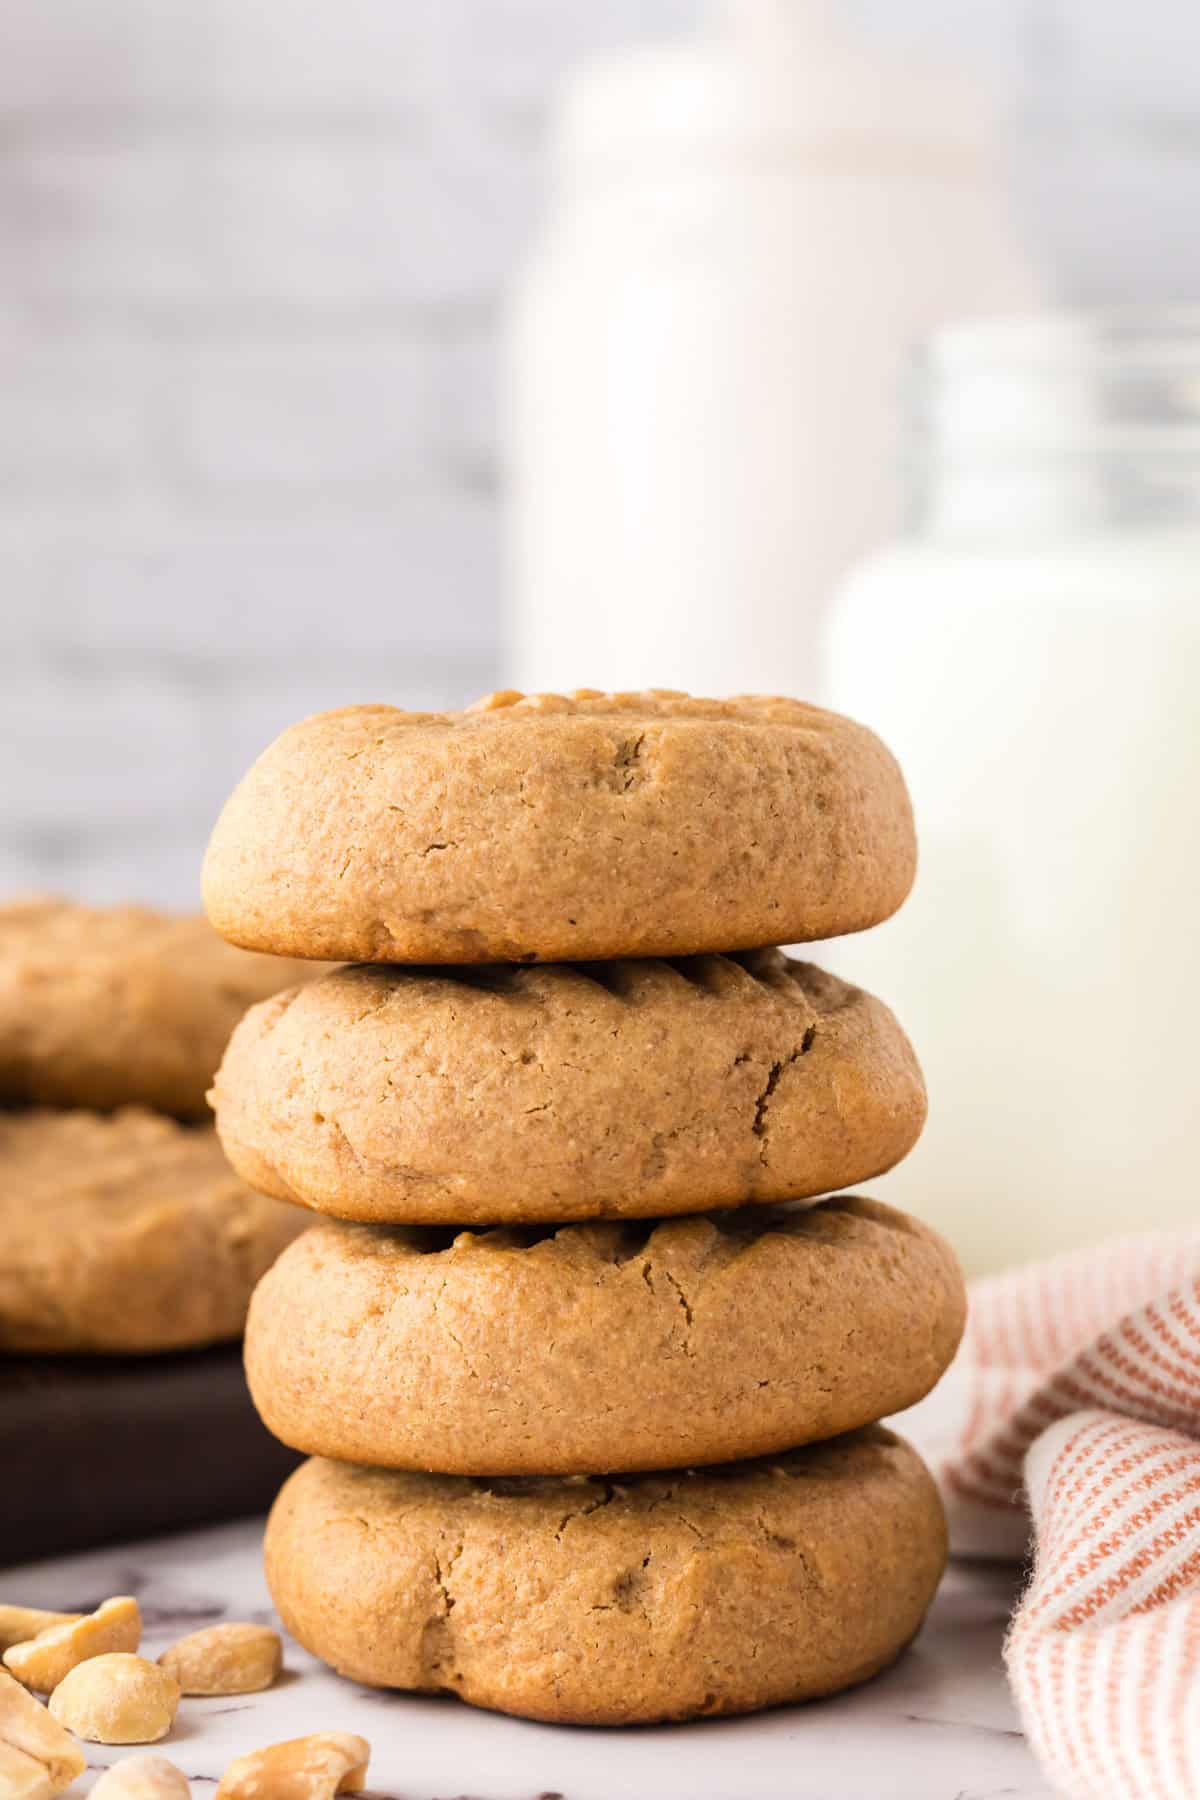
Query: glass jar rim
x=1056 y=419
x=1068 y=339
x=1117 y=382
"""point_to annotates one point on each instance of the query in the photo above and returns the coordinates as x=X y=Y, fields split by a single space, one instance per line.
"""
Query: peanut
x=38 y=1759
x=117 y=1699
x=47 y=1659
x=305 y=1768
x=20 y=1623
x=23 y=1777
x=225 y=1659
x=142 y=1778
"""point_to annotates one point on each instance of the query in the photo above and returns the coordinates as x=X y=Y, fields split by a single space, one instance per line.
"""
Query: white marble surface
x=940 y=1726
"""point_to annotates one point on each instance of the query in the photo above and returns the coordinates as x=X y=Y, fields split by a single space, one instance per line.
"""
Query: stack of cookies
x=124 y=1234
x=588 y=1384
x=122 y=1226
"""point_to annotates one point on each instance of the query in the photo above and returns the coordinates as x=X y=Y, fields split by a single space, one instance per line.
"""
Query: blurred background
x=409 y=348
x=254 y=263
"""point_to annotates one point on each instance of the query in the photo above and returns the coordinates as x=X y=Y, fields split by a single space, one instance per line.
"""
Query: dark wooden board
x=95 y=1450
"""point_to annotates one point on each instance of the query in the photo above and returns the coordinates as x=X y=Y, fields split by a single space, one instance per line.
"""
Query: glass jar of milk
x=1031 y=651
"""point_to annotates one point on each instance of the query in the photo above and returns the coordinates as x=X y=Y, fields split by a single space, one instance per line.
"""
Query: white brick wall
x=1105 y=155
x=250 y=259
x=251 y=255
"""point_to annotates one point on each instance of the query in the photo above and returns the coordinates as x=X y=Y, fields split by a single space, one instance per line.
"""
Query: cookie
x=567 y=1091
x=126 y=1231
x=548 y=827
x=112 y=1006
x=599 y=1603
x=601 y=1347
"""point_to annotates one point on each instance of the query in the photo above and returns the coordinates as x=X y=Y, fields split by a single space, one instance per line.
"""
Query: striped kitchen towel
x=1075 y=1402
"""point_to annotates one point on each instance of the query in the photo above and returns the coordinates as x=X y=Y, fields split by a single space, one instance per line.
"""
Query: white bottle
x=747 y=233
x=1031 y=652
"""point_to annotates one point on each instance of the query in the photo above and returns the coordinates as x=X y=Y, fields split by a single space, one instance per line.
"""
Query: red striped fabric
x=1077 y=1403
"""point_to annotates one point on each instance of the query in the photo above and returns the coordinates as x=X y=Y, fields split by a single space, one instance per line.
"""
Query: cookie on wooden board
x=104 y=1006
x=126 y=1231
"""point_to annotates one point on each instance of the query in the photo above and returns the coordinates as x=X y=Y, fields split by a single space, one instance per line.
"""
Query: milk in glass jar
x=1030 y=649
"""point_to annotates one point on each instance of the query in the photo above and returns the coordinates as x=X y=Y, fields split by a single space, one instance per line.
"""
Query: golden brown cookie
x=119 y=1005
x=567 y=1091
x=126 y=1232
x=547 y=827
x=649 y=1346
x=602 y=1603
